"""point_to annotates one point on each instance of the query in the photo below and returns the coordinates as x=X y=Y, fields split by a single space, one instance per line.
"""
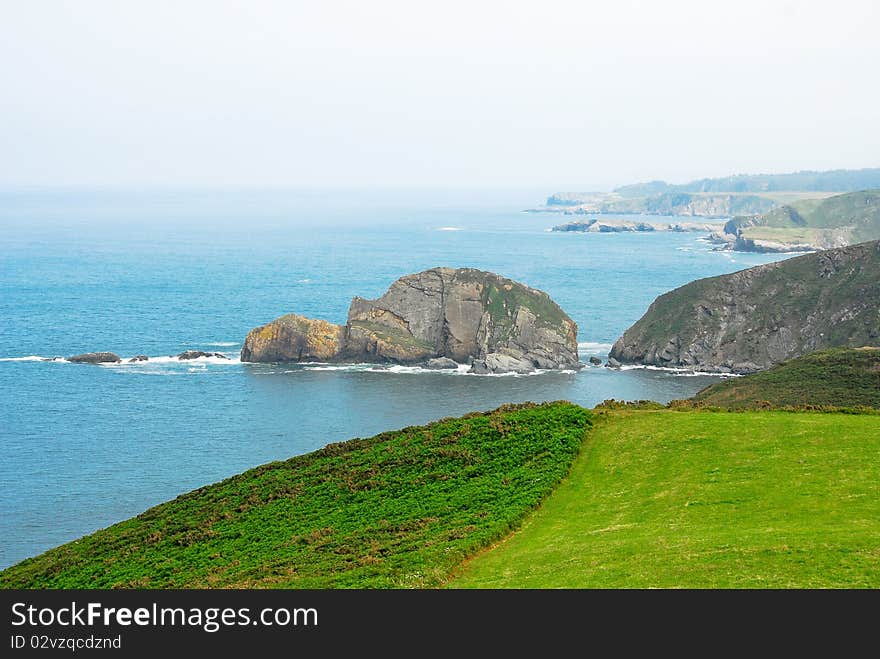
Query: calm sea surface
x=158 y=272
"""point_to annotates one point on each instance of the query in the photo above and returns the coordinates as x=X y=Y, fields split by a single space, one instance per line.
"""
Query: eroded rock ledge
x=468 y=316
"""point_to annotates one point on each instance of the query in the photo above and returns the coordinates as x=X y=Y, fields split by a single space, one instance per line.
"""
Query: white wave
x=381 y=368
x=159 y=365
x=587 y=346
x=399 y=369
x=223 y=344
x=171 y=359
x=680 y=372
x=303 y=281
x=333 y=367
x=449 y=229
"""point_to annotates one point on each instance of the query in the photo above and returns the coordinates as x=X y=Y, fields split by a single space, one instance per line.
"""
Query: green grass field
x=654 y=497
x=398 y=510
x=848 y=218
x=704 y=499
x=787 y=235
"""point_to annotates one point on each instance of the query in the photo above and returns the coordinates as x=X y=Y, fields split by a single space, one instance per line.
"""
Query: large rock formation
x=753 y=319
x=469 y=316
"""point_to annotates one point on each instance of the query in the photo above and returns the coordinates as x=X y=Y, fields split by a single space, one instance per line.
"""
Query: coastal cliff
x=469 y=316
x=670 y=203
x=741 y=194
x=753 y=319
x=807 y=225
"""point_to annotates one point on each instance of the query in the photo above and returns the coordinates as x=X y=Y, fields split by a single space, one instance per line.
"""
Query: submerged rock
x=462 y=315
x=95 y=358
x=613 y=363
x=595 y=361
x=139 y=358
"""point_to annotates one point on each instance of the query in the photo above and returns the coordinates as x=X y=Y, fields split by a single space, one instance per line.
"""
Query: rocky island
x=753 y=319
x=440 y=318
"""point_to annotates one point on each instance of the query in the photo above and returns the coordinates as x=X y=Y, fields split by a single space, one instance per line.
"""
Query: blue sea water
x=157 y=272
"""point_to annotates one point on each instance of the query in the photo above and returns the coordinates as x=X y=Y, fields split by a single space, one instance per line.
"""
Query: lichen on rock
x=293 y=338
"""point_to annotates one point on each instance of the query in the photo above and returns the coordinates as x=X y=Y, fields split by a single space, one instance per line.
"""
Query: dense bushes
x=397 y=510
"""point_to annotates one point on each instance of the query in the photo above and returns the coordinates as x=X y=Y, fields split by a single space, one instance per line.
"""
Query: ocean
x=156 y=272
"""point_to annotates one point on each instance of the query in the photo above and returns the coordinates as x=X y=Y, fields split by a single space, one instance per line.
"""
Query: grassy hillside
x=839 y=377
x=703 y=499
x=840 y=220
x=837 y=180
x=397 y=510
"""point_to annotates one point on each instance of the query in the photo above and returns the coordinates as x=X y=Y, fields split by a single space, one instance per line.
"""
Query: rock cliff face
x=753 y=319
x=470 y=316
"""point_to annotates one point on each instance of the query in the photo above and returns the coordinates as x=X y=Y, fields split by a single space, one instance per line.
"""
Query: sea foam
x=593 y=347
x=677 y=372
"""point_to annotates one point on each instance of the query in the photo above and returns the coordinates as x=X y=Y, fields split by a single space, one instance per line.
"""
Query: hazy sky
x=564 y=95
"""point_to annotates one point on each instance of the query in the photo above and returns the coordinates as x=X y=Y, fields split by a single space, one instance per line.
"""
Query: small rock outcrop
x=293 y=338
x=753 y=319
x=499 y=362
x=441 y=363
x=466 y=316
x=95 y=358
x=139 y=358
x=198 y=354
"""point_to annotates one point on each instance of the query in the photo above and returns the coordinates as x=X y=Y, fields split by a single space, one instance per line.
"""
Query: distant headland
x=730 y=196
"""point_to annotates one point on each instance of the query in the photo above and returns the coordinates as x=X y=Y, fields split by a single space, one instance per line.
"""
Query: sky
x=386 y=93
